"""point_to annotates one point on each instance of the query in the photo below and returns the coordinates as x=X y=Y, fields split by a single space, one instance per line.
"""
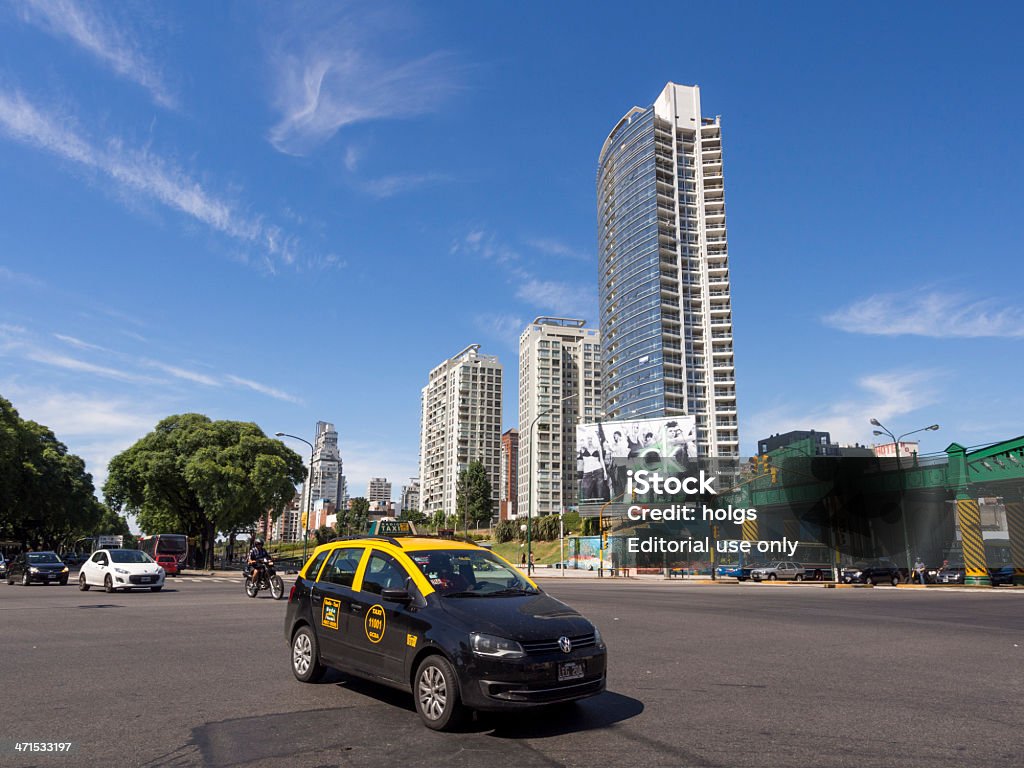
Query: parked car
x=3 y=567
x=778 y=570
x=729 y=571
x=1002 y=575
x=125 y=569
x=169 y=563
x=951 y=574
x=42 y=567
x=877 y=572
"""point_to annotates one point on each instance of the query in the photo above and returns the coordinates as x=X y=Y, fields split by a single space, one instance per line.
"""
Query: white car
x=125 y=569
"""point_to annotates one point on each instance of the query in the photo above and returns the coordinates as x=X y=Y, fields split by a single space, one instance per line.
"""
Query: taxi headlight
x=495 y=647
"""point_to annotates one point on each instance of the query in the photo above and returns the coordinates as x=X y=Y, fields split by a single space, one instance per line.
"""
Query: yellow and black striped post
x=750 y=530
x=1015 y=524
x=969 y=518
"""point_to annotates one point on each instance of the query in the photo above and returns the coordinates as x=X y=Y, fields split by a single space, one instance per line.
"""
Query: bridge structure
x=964 y=504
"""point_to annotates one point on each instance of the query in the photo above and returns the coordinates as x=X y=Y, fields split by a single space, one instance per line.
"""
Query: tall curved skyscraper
x=663 y=270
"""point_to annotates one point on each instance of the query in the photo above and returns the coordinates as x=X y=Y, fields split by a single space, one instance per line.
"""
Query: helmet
x=258 y=542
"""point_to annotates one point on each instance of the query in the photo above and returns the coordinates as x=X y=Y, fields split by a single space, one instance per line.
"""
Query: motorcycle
x=268 y=579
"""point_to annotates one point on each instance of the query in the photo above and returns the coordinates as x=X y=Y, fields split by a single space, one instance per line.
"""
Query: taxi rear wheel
x=306 y=664
x=437 y=694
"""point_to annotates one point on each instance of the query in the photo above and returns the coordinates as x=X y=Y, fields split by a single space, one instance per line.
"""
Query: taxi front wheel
x=306 y=656
x=437 y=694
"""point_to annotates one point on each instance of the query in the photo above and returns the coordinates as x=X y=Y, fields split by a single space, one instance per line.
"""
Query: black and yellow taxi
x=451 y=622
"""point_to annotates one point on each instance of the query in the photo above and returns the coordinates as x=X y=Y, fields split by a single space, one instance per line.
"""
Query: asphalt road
x=730 y=676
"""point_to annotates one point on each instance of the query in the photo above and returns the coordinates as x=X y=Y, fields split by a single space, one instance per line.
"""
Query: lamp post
x=309 y=490
x=882 y=430
x=529 y=482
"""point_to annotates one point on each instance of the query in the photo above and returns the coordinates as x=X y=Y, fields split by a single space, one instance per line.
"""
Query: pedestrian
x=919 y=568
x=531 y=562
x=522 y=560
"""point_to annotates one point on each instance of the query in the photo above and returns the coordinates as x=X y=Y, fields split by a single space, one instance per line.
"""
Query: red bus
x=166 y=544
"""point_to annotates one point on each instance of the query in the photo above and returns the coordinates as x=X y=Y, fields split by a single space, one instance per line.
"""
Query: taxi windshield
x=470 y=573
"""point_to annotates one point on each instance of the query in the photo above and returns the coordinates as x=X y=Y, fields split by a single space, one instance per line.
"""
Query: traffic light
x=774 y=472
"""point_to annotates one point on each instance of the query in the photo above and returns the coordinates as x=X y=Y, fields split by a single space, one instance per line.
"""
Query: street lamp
x=529 y=482
x=309 y=489
x=883 y=430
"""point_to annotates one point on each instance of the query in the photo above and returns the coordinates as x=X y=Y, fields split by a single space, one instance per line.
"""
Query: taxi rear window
x=314 y=567
x=342 y=565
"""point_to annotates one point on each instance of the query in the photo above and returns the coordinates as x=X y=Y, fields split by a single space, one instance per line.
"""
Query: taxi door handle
x=357 y=608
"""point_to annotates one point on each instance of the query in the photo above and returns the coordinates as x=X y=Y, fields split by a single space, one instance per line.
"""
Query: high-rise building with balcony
x=410 y=498
x=663 y=270
x=559 y=386
x=460 y=422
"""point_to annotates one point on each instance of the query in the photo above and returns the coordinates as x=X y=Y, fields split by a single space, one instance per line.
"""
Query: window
x=341 y=568
x=314 y=567
x=383 y=572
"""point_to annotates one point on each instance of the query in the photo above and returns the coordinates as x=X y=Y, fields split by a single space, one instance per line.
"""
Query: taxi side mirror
x=396 y=596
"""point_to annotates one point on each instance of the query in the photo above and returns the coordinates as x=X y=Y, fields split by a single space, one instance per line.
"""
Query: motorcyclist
x=257 y=554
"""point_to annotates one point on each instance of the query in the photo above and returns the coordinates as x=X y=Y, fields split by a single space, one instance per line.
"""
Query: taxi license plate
x=570 y=670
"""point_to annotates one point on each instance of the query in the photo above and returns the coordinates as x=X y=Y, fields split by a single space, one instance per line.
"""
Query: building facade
x=559 y=386
x=378 y=491
x=287 y=527
x=663 y=270
x=460 y=421
x=410 y=499
x=508 y=499
x=326 y=478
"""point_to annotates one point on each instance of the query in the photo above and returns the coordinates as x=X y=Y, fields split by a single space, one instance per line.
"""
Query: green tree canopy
x=473 y=494
x=196 y=476
x=353 y=520
x=46 y=496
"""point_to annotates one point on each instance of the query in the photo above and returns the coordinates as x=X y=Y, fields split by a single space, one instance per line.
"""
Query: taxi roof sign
x=392 y=528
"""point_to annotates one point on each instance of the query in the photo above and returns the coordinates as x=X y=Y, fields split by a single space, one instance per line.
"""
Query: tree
x=473 y=501
x=324 y=534
x=506 y=530
x=354 y=519
x=413 y=516
x=46 y=496
x=200 y=477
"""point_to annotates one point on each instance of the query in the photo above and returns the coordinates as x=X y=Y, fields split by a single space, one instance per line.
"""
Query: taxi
x=450 y=622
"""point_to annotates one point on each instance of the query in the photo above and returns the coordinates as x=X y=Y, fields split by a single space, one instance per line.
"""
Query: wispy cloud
x=183 y=373
x=87 y=26
x=389 y=186
x=504 y=327
x=141 y=171
x=18 y=278
x=553 y=297
x=263 y=389
x=884 y=396
x=559 y=298
x=366 y=460
x=930 y=313
x=352 y=156
x=81 y=366
x=78 y=343
x=334 y=71
x=552 y=247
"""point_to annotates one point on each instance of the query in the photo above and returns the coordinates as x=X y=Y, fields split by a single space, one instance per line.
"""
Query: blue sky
x=282 y=213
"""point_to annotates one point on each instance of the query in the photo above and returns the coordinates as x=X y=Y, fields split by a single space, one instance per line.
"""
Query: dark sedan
x=42 y=567
x=879 y=572
x=1002 y=575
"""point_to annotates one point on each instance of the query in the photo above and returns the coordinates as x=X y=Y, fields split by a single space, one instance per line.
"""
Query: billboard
x=607 y=450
